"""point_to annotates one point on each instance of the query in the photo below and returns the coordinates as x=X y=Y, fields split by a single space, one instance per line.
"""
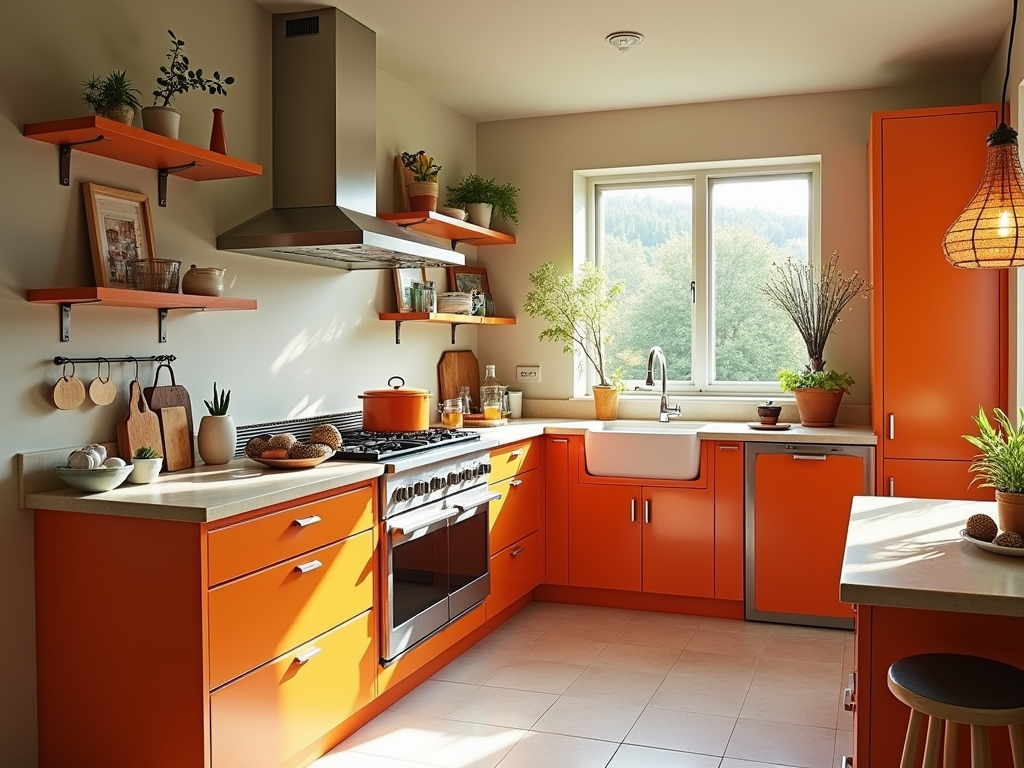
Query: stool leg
x=931 y=743
x=951 y=745
x=1017 y=745
x=980 y=757
x=913 y=734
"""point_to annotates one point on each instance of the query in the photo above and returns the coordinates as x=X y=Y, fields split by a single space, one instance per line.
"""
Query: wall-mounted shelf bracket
x=398 y=331
x=161 y=183
x=162 y=324
x=65 y=158
x=65 y=322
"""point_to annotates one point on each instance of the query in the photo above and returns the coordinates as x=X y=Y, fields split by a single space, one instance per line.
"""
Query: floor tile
x=471 y=667
x=550 y=750
x=336 y=759
x=716 y=666
x=737 y=625
x=641 y=658
x=844 y=746
x=632 y=756
x=786 y=704
x=604 y=628
x=782 y=744
x=550 y=648
x=804 y=649
x=731 y=762
x=811 y=633
x=680 y=621
x=505 y=642
x=535 y=675
x=433 y=698
x=695 y=694
x=819 y=675
x=655 y=635
x=732 y=643
x=503 y=706
x=600 y=612
x=627 y=686
x=682 y=731
x=589 y=718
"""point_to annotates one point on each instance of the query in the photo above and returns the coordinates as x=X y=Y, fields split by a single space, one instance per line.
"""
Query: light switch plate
x=528 y=374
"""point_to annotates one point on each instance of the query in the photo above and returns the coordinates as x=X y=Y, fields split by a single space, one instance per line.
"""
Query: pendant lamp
x=989 y=234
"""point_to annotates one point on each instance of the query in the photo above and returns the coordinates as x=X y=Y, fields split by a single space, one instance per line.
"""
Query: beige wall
x=312 y=346
x=539 y=156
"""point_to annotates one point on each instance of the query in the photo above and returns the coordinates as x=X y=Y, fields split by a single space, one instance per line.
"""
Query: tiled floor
x=567 y=686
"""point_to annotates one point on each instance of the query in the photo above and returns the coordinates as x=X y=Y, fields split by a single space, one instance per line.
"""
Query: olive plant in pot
x=482 y=197
x=577 y=307
x=423 y=189
x=112 y=97
x=1000 y=465
x=814 y=298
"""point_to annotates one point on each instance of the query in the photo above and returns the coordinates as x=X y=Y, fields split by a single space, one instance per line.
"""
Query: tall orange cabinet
x=939 y=334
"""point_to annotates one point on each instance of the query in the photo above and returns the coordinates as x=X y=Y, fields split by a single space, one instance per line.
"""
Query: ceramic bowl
x=455 y=213
x=94 y=480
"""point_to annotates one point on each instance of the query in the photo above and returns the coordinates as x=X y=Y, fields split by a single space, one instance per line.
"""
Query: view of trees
x=648 y=245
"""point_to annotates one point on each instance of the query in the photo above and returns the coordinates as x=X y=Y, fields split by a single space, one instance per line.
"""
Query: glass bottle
x=430 y=298
x=491 y=393
x=467 y=401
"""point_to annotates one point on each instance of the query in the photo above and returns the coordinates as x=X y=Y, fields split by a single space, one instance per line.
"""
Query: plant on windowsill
x=112 y=96
x=1000 y=465
x=481 y=197
x=814 y=298
x=423 y=189
x=578 y=308
x=217 y=434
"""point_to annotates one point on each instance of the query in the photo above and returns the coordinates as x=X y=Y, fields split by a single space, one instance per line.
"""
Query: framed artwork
x=120 y=229
x=404 y=278
x=466 y=279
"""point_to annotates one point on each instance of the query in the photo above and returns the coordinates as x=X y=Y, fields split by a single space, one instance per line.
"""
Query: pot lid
x=396 y=390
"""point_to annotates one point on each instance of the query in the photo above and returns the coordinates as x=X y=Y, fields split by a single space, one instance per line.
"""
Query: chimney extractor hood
x=325 y=196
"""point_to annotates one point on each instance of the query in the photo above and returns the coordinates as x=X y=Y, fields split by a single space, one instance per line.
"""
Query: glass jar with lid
x=451 y=413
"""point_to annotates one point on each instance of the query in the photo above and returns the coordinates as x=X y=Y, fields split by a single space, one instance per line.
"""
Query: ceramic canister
x=203 y=281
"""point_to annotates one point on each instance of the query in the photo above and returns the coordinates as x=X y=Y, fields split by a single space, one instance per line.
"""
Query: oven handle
x=423 y=525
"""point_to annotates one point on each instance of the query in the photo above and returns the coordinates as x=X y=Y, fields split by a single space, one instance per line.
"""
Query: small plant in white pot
x=217 y=434
x=146 y=465
x=1000 y=465
x=482 y=197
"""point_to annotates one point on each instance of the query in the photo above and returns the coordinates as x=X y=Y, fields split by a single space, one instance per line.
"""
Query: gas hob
x=360 y=445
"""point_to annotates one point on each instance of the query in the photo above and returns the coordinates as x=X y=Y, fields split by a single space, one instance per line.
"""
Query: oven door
x=435 y=568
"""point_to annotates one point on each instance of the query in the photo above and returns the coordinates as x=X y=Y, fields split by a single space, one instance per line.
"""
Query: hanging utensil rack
x=141 y=359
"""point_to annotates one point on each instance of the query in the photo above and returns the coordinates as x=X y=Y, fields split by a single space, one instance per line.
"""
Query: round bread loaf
x=255 y=447
x=327 y=434
x=285 y=441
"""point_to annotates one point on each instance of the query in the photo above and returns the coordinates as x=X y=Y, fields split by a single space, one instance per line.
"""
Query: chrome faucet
x=665 y=410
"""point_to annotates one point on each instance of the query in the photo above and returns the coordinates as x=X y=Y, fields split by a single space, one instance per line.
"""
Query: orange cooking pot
x=396 y=409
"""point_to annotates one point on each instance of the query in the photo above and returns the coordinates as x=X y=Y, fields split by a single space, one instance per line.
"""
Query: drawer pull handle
x=516 y=552
x=848 y=699
x=728 y=447
x=312 y=565
x=515 y=483
x=632 y=510
x=302 y=658
x=647 y=511
x=515 y=454
x=302 y=522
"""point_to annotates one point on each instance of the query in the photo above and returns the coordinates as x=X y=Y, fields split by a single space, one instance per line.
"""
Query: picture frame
x=466 y=279
x=404 y=278
x=120 y=229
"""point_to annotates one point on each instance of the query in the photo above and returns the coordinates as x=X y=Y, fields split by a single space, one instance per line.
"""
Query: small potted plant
x=112 y=96
x=1000 y=465
x=174 y=79
x=423 y=188
x=146 y=465
x=813 y=299
x=481 y=197
x=217 y=434
x=577 y=308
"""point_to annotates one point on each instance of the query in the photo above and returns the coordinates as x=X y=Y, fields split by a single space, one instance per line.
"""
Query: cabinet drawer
x=517 y=513
x=264 y=718
x=253 y=544
x=512 y=459
x=514 y=572
x=264 y=614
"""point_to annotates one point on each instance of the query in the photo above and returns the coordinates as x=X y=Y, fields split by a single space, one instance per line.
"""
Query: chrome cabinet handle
x=892 y=426
x=302 y=522
x=302 y=658
x=312 y=565
x=515 y=483
x=892 y=486
x=647 y=511
x=516 y=552
x=632 y=510
x=559 y=440
x=811 y=457
x=848 y=699
x=728 y=447
x=515 y=454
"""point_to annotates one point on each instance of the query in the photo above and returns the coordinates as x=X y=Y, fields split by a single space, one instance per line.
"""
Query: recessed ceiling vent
x=298 y=27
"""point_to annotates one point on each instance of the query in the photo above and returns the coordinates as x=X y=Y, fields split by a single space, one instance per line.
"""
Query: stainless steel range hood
x=325 y=197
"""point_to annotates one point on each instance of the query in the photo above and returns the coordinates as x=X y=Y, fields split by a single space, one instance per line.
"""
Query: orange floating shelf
x=440 y=317
x=437 y=225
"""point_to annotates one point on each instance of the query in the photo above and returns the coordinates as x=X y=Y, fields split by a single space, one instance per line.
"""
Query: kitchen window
x=693 y=248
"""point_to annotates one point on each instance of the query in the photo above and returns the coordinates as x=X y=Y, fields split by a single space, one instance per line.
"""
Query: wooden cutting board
x=459 y=369
x=169 y=396
x=139 y=428
x=177 y=438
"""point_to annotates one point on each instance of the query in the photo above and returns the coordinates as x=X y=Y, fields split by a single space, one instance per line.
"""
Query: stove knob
x=401 y=494
x=435 y=483
x=453 y=478
x=485 y=468
x=465 y=474
x=420 y=488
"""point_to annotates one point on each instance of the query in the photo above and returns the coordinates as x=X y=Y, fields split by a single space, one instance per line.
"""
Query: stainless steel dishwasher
x=796 y=511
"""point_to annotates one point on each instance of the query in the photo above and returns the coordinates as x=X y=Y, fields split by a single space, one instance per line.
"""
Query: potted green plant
x=1000 y=465
x=112 y=96
x=423 y=188
x=146 y=465
x=217 y=434
x=177 y=78
x=483 y=197
x=578 y=307
x=814 y=299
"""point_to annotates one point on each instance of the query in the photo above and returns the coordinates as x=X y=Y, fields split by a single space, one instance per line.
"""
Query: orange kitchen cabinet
x=678 y=542
x=559 y=457
x=937 y=479
x=728 y=520
x=605 y=537
x=515 y=571
x=517 y=513
x=509 y=460
x=939 y=334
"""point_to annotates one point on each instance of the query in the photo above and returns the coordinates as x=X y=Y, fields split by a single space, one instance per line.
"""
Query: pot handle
x=400 y=379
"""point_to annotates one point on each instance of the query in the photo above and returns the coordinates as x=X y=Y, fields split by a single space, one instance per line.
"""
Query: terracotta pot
x=422 y=195
x=606 y=402
x=396 y=409
x=818 y=407
x=1010 y=510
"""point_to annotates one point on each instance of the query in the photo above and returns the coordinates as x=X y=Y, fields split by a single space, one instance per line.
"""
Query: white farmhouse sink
x=644 y=449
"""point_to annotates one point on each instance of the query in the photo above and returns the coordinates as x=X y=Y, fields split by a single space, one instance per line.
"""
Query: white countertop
x=907 y=553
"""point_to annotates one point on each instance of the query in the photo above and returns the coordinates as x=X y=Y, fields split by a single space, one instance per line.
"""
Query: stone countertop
x=907 y=553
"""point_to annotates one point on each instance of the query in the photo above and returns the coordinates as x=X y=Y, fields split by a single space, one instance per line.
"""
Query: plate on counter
x=290 y=463
x=987 y=545
x=768 y=427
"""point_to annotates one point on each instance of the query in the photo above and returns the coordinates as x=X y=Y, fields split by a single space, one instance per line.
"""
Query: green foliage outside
x=1000 y=464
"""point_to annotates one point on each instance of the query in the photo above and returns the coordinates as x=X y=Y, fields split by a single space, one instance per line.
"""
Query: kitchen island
x=920 y=588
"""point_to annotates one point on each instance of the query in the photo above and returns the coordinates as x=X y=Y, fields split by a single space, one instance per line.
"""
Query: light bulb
x=1005 y=224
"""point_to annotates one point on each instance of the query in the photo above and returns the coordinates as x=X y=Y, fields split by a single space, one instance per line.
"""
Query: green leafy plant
x=177 y=78
x=1000 y=463
x=808 y=378
x=577 y=307
x=421 y=165
x=146 y=452
x=477 y=189
x=219 y=406
x=110 y=94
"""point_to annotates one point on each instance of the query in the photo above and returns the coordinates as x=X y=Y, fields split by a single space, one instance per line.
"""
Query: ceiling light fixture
x=624 y=40
x=989 y=234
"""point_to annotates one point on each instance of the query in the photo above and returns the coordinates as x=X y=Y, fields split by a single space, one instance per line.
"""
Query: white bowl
x=455 y=213
x=94 y=480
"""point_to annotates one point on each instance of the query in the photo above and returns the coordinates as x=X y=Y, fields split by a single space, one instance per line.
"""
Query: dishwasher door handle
x=810 y=456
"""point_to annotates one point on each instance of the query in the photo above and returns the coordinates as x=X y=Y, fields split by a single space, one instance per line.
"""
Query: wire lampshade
x=990 y=231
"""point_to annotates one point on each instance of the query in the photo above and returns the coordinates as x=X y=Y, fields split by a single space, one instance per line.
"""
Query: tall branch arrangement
x=577 y=307
x=814 y=299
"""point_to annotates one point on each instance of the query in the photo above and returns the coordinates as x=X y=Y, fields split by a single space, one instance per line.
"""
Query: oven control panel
x=434 y=482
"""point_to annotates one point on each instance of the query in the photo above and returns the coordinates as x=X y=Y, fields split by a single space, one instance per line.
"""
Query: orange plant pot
x=606 y=403
x=818 y=407
x=1010 y=510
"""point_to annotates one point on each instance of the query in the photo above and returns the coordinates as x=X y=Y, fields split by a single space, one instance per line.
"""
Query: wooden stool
x=961 y=689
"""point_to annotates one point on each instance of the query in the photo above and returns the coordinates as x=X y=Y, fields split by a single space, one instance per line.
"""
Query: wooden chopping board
x=171 y=395
x=459 y=369
x=139 y=428
x=177 y=438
